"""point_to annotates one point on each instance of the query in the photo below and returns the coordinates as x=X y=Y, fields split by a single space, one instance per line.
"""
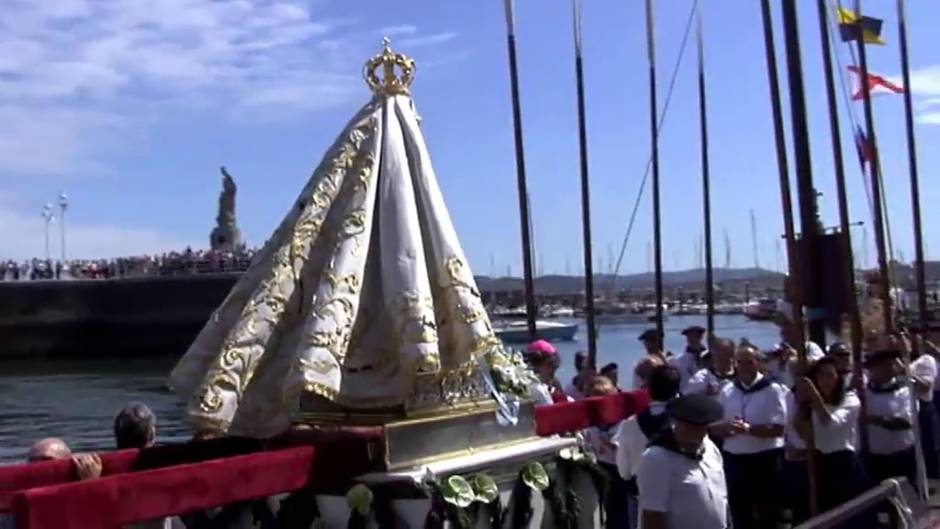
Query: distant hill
x=732 y=278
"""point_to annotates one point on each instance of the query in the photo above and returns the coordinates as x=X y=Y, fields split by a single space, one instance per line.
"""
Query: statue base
x=437 y=434
x=406 y=493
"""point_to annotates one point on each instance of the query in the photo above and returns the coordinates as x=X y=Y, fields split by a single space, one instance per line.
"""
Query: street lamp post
x=63 y=205
x=48 y=216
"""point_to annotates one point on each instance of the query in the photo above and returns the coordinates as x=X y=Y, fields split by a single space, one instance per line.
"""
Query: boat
x=517 y=331
x=555 y=311
x=764 y=310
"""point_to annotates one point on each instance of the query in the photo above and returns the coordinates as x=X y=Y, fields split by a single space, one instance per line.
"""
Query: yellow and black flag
x=850 y=24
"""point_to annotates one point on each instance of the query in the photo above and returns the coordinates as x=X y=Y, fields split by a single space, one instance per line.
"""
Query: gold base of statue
x=446 y=417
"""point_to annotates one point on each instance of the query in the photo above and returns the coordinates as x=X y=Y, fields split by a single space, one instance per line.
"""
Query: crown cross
x=390 y=82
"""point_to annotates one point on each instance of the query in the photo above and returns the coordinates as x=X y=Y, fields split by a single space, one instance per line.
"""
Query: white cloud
x=54 y=140
x=929 y=118
x=22 y=237
x=926 y=81
x=429 y=40
x=396 y=31
x=74 y=72
x=77 y=74
x=925 y=85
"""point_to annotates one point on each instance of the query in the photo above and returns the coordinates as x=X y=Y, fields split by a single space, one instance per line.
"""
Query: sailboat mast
x=706 y=183
x=787 y=206
x=874 y=167
x=529 y=283
x=727 y=249
x=855 y=320
x=779 y=139
x=654 y=137
x=585 y=190
x=754 y=247
x=919 y=271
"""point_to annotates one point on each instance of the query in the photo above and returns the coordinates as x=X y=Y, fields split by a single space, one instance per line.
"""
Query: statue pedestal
x=404 y=490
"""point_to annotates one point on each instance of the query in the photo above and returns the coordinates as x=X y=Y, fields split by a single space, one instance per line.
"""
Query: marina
x=354 y=371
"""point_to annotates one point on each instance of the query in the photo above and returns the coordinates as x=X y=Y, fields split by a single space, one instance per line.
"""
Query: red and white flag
x=876 y=85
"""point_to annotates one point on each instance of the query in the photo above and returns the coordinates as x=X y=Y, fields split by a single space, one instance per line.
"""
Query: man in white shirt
x=652 y=343
x=690 y=361
x=681 y=480
x=890 y=419
x=924 y=376
x=755 y=416
x=782 y=359
x=637 y=431
x=711 y=381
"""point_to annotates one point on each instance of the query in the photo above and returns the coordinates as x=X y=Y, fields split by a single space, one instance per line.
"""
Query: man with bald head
x=87 y=466
x=49 y=449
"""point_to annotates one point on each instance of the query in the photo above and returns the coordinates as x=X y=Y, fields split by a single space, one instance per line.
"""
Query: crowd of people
x=186 y=262
x=727 y=437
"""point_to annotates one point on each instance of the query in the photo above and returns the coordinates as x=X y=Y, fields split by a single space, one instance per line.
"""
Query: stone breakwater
x=117 y=317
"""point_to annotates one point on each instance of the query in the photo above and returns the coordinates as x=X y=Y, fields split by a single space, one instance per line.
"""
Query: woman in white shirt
x=754 y=418
x=822 y=397
x=890 y=419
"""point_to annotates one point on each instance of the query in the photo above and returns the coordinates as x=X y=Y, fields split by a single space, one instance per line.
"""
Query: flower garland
x=465 y=501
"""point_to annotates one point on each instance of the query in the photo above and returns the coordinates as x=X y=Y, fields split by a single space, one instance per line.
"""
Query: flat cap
x=693 y=329
x=650 y=334
x=696 y=409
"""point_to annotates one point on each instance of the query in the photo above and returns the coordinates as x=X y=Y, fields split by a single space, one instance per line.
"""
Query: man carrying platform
x=681 y=479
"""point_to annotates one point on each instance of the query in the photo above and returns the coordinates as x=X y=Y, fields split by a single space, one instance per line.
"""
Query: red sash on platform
x=157 y=482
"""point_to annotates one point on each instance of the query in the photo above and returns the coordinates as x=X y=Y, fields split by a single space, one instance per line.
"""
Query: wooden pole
x=810 y=287
x=585 y=190
x=654 y=136
x=874 y=167
x=855 y=321
x=529 y=283
x=912 y=164
x=789 y=231
x=879 y=220
x=918 y=233
x=706 y=184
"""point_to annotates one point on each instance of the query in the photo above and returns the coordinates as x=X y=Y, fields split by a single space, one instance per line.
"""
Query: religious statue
x=361 y=304
x=225 y=236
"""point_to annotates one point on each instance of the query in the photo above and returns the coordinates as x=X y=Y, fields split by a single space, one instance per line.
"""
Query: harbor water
x=77 y=400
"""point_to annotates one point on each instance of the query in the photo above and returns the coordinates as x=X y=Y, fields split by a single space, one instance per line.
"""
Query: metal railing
x=899 y=498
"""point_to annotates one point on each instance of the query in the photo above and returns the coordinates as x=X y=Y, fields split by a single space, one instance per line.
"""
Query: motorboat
x=517 y=331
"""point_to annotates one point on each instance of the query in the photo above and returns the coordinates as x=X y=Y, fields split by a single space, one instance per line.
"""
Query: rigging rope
x=649 y=161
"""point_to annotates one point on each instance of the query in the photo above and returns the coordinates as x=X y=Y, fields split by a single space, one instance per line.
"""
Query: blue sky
x=130 y=106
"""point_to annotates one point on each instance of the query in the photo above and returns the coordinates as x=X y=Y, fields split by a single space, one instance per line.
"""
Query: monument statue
x=226 y=237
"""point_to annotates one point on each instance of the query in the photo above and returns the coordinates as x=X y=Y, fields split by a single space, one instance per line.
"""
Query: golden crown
x=390 y=83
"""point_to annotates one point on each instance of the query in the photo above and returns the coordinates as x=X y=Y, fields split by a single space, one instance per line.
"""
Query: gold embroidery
x=322 y=390
x=416 y=323
x=320 y=366
x=212 y=400
x=236 y=365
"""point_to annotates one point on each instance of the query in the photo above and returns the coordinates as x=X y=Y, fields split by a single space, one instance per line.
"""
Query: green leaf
x=457 y=491
x=535 y=477
x=360 y=498
x=485 y=488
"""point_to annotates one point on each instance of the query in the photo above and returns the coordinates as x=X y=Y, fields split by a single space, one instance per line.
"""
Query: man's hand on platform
x=88 y=466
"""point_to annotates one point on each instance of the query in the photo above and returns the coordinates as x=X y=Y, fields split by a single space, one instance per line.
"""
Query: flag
x=866 y=151
x=876 y=85
x=849 y=25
